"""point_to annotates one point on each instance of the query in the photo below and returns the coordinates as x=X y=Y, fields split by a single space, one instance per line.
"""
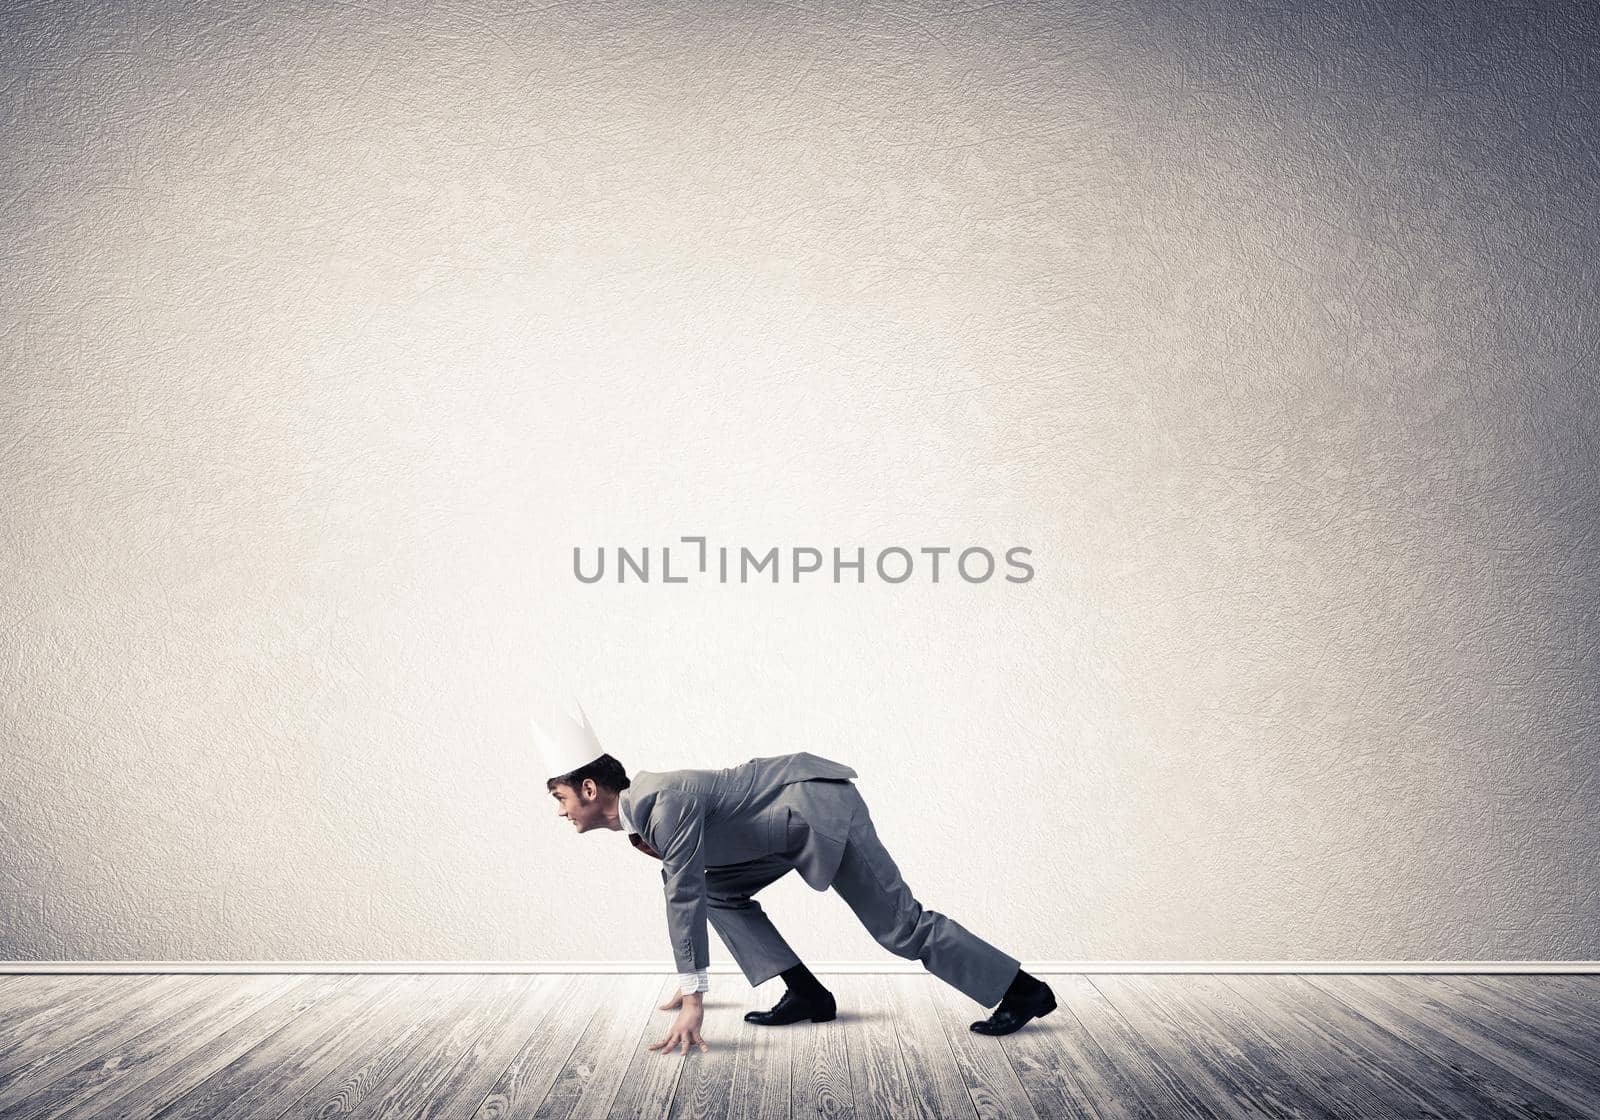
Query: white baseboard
x=884 y=967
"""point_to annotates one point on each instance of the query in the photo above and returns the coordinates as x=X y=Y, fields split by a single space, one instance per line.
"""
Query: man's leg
x=757 y=945
x=740 y=922
x=870 y=883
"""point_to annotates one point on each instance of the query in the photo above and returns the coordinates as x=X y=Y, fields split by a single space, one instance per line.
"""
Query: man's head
x=588 y=796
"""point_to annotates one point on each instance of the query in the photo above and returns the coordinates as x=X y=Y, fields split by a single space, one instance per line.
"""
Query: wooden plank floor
x=478 y=1047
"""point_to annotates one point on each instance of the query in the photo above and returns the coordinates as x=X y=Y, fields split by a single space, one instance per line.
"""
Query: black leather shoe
x=1012 y=1014
x=792 y=1008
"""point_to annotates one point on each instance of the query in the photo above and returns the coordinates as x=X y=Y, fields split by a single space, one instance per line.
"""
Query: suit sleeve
x=678 y=828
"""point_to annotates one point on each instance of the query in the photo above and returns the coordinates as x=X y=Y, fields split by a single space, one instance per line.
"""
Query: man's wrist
x=696 y=998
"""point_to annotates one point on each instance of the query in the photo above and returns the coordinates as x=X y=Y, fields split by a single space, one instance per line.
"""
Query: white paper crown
x=567 y=742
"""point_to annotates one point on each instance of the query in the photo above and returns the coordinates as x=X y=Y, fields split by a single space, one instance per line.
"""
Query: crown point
x=566 y=743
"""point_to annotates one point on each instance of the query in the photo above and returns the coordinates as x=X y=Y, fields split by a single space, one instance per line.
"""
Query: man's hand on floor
x=686 y=1027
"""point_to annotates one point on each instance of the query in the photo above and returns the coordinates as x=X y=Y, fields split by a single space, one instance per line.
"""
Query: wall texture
x=328 y=333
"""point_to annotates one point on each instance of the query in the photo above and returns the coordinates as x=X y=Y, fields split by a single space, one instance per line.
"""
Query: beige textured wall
x=328 y=332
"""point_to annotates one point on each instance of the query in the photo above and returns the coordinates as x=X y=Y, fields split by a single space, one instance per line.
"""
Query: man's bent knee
x=908 y=935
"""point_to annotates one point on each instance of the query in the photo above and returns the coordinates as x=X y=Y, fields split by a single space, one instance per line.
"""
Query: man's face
x=580 y=806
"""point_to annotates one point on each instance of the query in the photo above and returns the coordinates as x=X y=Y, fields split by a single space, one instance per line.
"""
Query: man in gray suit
x=722 y=835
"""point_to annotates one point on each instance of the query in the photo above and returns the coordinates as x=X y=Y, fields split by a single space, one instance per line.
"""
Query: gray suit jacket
x=699 y=819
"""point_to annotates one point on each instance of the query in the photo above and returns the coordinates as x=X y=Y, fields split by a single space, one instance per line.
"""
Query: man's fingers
x=681 y=1041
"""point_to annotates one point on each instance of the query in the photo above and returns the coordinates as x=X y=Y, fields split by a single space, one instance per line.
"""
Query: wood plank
x=507 y=1028
x=981 y=1063
x=1192 y=1048
x=1577 y=993
x=1122 y=1065
x=51 y=1028
x=651 y=1079
x=594 y=1072
x=22 y=998
x=53 y=1005
x=474 y=1001
x=18 y=986
x=400 y=999
x=932 y=1076
x=761 y=1088
x=1395 y=1012
x=485 y=1062
x=705 y=1086
x=361 y=1071
x=422 y=1048
x=1568 y=1032
x=111 y=1072
x=821 y=1081
x=1534 y=992
x=1495 y=1039
x=1211 y=1016
x=1312 y=1086
x=299 y=999
x=1345 y=1041
x=1515 y=1037
x=38 y=1063
x=1582 y=986
x=1069 y=1071
x=522 y=1086
x=882 y=1090
x=260 y=1079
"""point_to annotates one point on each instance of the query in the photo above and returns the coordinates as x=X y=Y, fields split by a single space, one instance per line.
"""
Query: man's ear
x=590 y=790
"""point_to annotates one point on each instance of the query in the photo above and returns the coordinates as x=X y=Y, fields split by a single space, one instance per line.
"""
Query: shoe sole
x=827 y=1018
x=1019 y=1026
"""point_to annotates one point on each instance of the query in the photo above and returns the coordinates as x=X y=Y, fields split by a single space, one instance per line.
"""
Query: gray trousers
x=871 y=886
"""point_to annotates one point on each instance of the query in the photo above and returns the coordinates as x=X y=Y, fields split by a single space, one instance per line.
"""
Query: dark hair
x=605 y=772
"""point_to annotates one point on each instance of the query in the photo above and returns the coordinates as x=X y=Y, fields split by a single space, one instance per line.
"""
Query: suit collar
x=623 y=815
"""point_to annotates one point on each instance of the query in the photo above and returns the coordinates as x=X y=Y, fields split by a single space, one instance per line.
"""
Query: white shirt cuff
x=691 y=982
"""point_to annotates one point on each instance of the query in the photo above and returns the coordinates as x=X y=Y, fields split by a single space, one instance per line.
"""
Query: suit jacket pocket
x=788 y=830
x=775 y=836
